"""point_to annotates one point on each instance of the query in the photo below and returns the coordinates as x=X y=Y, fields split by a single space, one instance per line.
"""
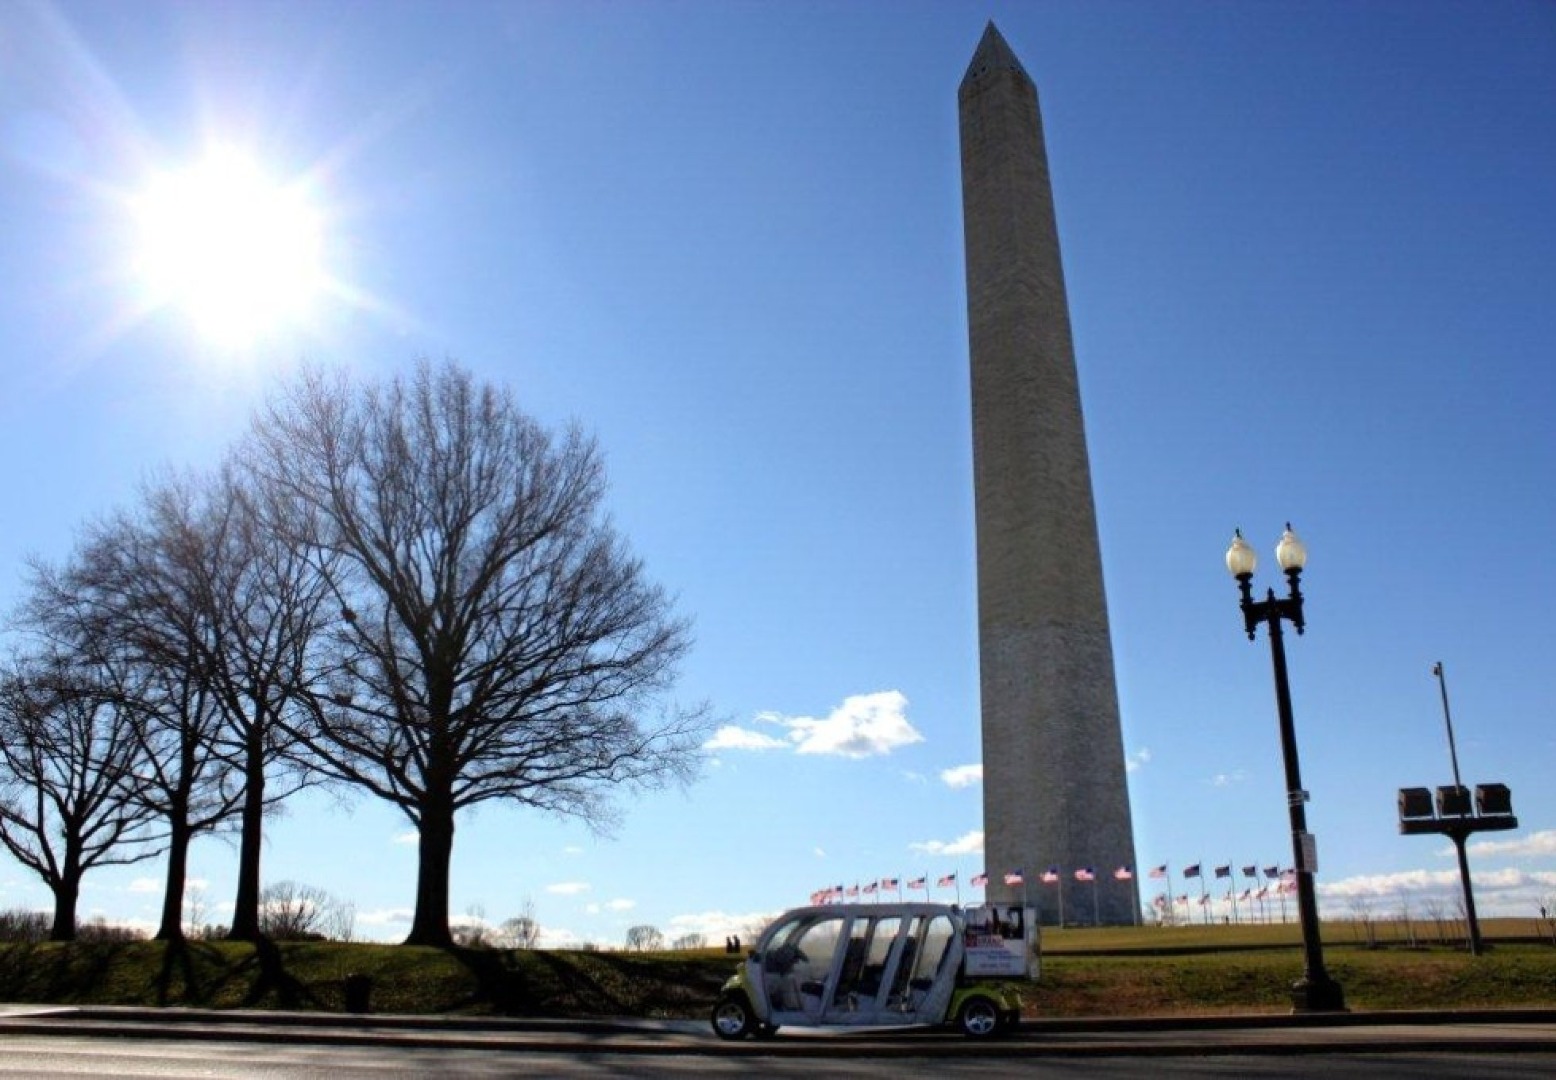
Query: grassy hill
x=1104 y=972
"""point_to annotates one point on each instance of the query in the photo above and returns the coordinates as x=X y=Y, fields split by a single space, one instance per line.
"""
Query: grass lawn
x=1105 y=972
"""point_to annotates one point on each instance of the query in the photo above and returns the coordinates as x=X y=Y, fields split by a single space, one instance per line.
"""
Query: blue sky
x=1309 y=251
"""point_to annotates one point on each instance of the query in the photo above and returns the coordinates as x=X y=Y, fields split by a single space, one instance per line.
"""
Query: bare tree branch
x=496 y=640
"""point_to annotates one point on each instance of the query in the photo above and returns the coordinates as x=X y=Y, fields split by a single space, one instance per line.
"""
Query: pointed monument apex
x=993 y=55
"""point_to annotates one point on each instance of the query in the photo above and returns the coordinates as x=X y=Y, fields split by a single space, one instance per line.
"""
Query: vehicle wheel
x=732 y=1017
x=979 y=1018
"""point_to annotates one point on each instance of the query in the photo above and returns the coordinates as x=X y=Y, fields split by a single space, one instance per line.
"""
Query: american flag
x=945 y=882
x=853 y=891
x=869 y=890
x=888 y=883
x=1246 y=894
x=919 y=883
x=1272 y=871
x=979 y=880
x=1085 y=873
x=1250 y=871
x=1123 y=873
x=1160 y=871
x=1204 y=898
x=1049 y=876
x=1014 y=878
x=1224 y=871
x=1191 y=871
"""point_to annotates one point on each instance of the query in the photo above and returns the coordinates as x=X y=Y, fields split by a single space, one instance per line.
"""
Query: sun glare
x=239 y=254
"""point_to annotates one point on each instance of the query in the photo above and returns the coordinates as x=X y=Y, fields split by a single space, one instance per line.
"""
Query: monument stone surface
x=1055 y=790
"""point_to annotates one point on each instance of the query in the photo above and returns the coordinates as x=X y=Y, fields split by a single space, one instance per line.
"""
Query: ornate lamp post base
x=1317 y=994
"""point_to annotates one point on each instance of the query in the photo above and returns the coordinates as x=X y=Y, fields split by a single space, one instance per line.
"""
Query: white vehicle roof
x=873 y=909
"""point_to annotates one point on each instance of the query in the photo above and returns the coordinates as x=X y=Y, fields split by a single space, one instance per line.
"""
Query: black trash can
x=359 y=993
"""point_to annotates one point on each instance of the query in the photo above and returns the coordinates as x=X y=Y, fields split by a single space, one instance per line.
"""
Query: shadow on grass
x=546 y=983
x=203 y=975
x=57 y=971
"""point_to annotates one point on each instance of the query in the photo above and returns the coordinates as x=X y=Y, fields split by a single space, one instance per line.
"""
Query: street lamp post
x=1316 y=991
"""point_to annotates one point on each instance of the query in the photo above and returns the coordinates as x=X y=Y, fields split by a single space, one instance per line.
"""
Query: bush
x=19 y=925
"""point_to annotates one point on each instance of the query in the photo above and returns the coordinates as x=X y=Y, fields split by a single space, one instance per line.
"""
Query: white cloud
x=572 y=849
x=568 y=888
x=1228 y=779
x=469 y=921
x=558 y=938
x=410 y=836
x=820 y=853
x=730 y=737
x=1138 y=760
x=966 y=844
x=717 y=925
x=610 y=905
x=1535 y=844
x=385 y=917
x=1506 y=891
x=144 y=885
x=864 y=725
x=962 y=776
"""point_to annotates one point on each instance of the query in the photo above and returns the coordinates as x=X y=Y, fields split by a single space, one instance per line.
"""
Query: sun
x=239 y=254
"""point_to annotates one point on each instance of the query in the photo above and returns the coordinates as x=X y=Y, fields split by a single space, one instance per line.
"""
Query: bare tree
x=290 y=911
x=115 y=597
x=496 y=640
x=215 y=615
x=68 y=759
x=1362 y=914
x=472 y=931
x=645 y=939
x=1407 y=922
x=522 y=931
x=688 y=942
x=1437 y=910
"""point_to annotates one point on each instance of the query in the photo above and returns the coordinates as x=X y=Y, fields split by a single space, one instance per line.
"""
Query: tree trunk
x=245 y=906
x=436 y=849
x=66 y=891
x=172 y=928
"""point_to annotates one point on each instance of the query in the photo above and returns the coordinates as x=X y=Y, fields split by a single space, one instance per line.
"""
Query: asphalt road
x=57 y=1042
x=77 y=1056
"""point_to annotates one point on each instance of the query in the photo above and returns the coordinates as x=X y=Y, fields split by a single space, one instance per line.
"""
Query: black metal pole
x=1315 y=991
x=1459 y=837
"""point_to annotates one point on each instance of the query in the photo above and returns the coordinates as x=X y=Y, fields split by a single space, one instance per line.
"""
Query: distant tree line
x=407 y=588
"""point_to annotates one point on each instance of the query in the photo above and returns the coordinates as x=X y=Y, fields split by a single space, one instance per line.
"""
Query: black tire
x=979 y=1018
x=765 y=1031
x=732 y=1017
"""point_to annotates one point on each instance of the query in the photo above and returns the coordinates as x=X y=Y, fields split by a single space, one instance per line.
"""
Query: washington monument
x=1055 y=797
